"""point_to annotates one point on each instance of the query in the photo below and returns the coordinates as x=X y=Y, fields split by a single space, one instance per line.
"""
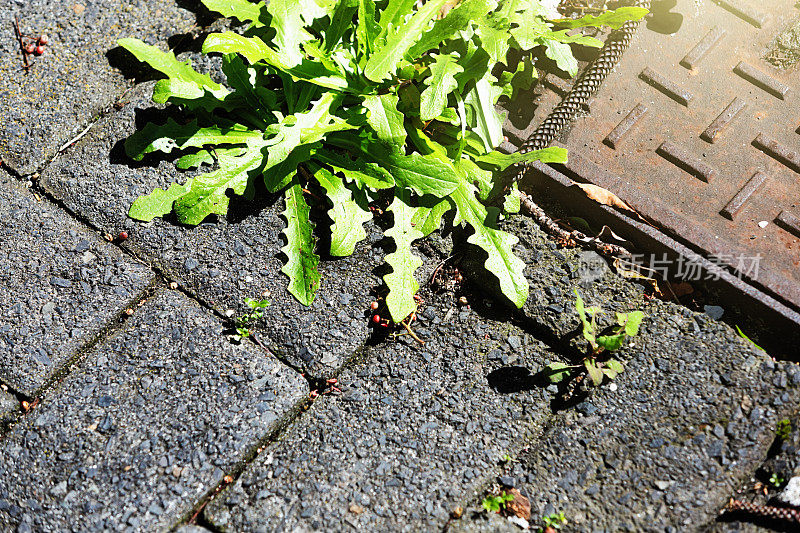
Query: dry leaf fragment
x=604 y=196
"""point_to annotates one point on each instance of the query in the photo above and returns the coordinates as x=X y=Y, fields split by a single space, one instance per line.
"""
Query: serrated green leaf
x=167 y=63
x=173 y=136
x=512 y=203
x=552 y=154
x=348 y=217
x=367 y=30
x=255 y=50
x=196 y=159
x=613 y=19
x=388 y=54
x=519 y=80
x=489 y=124
x=441 y=83
x=588 y=327
x=386 y=119
x=158 y=203
x=456 y=20
x=493 y=39
x=422 y=174
x=207 y=194
x=428 y=216
x=401 y=283
x=393 y=13
x=302 y=264
x=498 y=244
x=243 y=10
x=364 y=173
x=594 y=372
x=341 y=22
x=287 y=21
x=242 y=79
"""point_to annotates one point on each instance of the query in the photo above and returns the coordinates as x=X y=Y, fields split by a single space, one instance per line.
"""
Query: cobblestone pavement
x=124 y=404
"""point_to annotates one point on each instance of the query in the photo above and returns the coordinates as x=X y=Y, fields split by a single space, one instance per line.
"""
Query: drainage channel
x=698 y=131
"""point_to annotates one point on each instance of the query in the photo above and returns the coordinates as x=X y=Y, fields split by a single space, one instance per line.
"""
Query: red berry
x=30 y=48
x=39 y=50
x=376 y=319
x=44 y=39
x=374 y=306
x=123 y=235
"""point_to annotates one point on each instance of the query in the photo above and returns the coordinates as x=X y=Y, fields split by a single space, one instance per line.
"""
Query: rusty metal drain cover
x=700 y=132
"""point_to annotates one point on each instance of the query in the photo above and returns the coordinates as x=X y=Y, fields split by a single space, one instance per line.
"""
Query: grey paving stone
x=74 y=80
x=8 y=406
x=60 y=286
x=417 y=431
x=222 y=261
x=146 y=427
x=692 y=418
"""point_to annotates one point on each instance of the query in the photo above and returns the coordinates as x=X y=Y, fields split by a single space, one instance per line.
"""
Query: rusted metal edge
x=770 y=320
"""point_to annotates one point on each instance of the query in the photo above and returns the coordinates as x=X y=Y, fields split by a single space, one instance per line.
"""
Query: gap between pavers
x=418 y=431
x=221 y=262
x=76 y=79
x=61 y=286
x=147 y=425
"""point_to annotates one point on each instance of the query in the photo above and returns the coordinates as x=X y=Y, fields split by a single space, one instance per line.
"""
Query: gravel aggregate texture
x=417 y=431
x=60 y=286
x=78 y=76
x=149 y=424
x=221 y=261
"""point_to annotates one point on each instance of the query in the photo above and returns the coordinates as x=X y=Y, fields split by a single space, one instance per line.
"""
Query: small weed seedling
x=552 y=522
x=776 y=480
x=596 y=363
x=495 y=504
x=783 y=430
x=244 y=322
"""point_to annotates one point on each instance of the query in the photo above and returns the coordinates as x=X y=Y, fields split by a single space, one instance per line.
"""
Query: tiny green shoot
x=244 y=322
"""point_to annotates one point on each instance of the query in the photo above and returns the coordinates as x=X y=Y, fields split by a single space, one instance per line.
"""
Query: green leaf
x=556 y=372
x=634 y=320
x=456 y=20
x=401 y=283
x=367 y=30
x=441 y=82
x=384 y=60
x=512 y=203
x=562 y=55
x=519 y=80
x=386 y=119
x=423 y=175
x=594 y=372
x=494 y=40
x=254 y=304
x=745 y=337
x=615 y=365
x=482 y=99
x=348 y=217
x=254 y=50
x=499 y=245
x=173 y=136
x=208 y=194
x=614 y=19
x=552 y=154
x=167 y=63
x=428 y=218
x=302 y=264
x=243 y=10
x=364 y=173
x=611 y=342
x=588 y=328
x=287 y=20
x=189 y=94
x=243 y=80
x=156 y=204
x=393 y=13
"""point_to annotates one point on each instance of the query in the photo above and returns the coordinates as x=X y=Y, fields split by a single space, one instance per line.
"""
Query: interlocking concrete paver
x=222 y=262
x=691 y=418
x=148 y=424
x=417 y=431
x=60 y=285
x=74 y=80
